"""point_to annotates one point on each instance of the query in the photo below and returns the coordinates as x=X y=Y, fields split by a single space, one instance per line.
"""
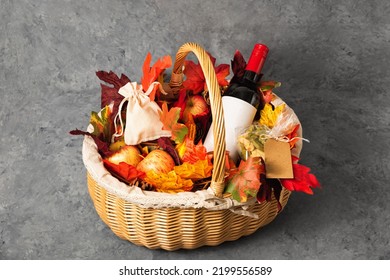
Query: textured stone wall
x=332 y=58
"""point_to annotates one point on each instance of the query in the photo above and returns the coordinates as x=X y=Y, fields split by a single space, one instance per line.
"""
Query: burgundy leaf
x=238 y=66
x=266 y=188
x=110 y=94
x=103 y=147
x=166 y=144
x=277 y=187
x=112 y=79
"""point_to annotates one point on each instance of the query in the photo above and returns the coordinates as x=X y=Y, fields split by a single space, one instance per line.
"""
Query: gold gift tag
x=278 y=163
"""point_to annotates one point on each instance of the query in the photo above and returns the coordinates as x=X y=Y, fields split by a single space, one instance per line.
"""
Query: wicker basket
x=173 y=228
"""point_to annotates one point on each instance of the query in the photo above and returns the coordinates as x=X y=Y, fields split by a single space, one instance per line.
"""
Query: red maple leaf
x=181 y=101
x=303 y=180
x=195 y=79
x=124 y=171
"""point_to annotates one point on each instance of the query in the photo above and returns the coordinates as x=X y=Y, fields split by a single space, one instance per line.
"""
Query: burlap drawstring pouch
x=142 y=116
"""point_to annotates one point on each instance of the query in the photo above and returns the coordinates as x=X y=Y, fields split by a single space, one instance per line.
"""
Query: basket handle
x=217 y=179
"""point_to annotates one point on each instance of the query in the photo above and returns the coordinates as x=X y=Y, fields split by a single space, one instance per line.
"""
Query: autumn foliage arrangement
x=178 y=161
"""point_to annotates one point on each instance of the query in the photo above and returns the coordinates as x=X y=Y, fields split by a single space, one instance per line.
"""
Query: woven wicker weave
x=188 y=228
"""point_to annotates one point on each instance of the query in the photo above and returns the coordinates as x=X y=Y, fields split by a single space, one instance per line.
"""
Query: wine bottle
x=241 y=101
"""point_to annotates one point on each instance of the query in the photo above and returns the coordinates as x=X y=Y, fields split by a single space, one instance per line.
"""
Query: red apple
x=128 y=154
x=158 y=161
x=196 y=105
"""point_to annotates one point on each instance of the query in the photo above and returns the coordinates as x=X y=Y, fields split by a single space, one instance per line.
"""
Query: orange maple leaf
x=151 y=74
x=195 y=79
x=245 y=181
x=169 y=119
x=169 y=182
x=199 y=170
x=292 y=135
x=191 y=153
x=190 y=123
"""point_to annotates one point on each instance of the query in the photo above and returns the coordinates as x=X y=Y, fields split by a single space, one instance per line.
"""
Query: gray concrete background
x=332 y=58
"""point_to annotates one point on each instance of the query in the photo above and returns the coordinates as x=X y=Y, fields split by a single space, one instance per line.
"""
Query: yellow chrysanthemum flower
x=268 y=117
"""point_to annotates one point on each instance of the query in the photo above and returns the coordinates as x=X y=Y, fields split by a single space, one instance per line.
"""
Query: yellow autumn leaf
x=169 y=183
x=181 y=148
x=199 y=170
x=268 y=117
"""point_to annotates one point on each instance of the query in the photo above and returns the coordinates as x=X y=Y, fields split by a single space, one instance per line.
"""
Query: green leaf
x=269 y=85
x=102 y=124
x=96 y=123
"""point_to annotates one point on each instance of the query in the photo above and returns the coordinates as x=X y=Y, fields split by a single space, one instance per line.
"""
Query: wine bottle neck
x=255 y=63
x=252 y=77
